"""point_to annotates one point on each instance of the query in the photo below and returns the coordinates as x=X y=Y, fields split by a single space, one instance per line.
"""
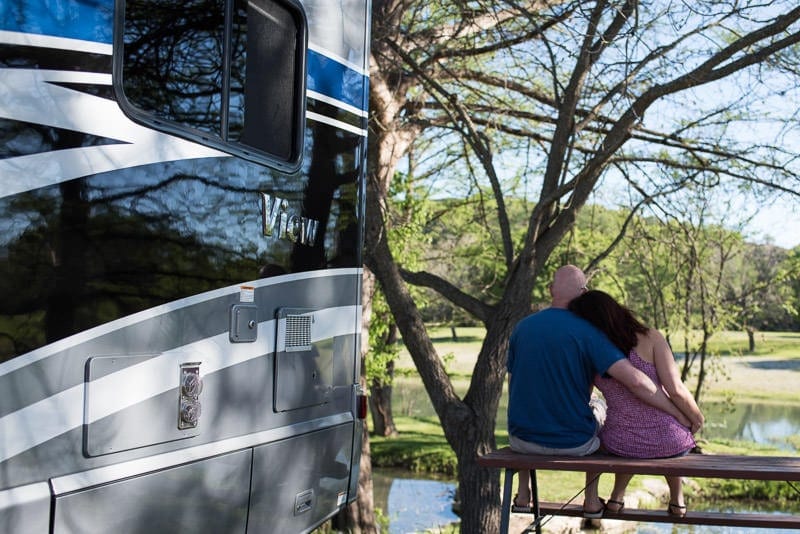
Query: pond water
x=775 y=425
x=413 y=504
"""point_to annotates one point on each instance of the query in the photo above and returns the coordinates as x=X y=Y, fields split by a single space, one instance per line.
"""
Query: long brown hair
x=612 y=318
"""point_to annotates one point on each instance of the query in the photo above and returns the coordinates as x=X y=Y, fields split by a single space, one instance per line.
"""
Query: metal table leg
x=505 y=513
x=535 y=499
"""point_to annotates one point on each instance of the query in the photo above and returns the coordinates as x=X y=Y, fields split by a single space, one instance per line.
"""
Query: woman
x=632 y=428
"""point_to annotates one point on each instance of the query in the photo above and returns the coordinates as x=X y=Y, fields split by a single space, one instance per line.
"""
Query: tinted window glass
x=264 y=34
x=234 y=70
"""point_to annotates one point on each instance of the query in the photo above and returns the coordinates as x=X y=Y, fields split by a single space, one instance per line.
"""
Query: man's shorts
x=598 y=406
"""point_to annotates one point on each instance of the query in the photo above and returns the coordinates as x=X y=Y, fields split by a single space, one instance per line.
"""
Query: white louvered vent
x=298 y=332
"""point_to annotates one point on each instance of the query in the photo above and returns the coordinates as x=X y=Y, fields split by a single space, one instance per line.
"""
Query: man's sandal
x=520 y=509
x=618 y=506
x=595 y=514
x=676 y=510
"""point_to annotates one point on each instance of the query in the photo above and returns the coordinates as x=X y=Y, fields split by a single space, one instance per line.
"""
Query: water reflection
x=775 y=425
x=413 y=504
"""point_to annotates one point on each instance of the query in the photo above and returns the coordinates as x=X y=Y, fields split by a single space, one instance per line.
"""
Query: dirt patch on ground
x=760 y=376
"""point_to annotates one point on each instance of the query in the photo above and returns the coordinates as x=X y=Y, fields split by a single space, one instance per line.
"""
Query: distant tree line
x=647 y=268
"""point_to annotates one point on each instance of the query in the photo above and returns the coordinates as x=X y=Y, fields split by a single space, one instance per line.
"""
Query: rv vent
x=298 y=332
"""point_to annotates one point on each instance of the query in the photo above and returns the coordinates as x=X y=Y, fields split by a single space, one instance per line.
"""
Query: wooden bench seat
x=777 y=468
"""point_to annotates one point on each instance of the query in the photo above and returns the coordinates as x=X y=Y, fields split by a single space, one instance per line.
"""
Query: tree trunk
x=751 y=339
x=701 y=375
x=359 y=516
x=468 y=424
x=479 y=494
x=380 y=404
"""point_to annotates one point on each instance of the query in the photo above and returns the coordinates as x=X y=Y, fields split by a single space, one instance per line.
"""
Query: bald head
x=568 y=283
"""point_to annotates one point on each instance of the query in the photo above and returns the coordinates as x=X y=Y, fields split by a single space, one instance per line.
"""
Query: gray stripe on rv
x=36 y=376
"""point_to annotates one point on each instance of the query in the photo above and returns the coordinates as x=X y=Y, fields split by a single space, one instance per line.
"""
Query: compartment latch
x=190 y=387
x=303 y=502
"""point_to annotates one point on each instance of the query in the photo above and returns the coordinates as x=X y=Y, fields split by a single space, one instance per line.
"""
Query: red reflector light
x=362 y=406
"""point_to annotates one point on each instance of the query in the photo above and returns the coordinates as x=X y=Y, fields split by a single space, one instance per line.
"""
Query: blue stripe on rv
x=91 y=20
x=87 y=20
x=331 y=78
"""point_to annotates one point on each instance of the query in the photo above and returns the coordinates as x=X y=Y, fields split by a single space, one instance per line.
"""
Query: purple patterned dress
x=636 y=429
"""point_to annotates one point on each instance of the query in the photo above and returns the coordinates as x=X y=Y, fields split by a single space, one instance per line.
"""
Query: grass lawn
x=728 y=343
x=770 y=373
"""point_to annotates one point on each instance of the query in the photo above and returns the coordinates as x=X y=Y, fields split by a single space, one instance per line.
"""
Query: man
x=553 y=357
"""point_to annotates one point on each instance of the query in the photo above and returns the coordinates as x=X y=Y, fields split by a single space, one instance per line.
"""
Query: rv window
x=228 y=73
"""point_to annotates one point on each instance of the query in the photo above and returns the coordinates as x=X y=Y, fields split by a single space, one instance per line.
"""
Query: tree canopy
x=562 y=103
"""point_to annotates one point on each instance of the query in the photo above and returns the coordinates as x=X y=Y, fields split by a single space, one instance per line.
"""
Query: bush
x=755 y=490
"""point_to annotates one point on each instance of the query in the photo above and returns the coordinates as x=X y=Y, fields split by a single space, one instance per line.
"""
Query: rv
x=181 y=220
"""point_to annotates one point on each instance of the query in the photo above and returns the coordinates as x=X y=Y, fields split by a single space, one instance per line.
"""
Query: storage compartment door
x=209 y=496
x=299 y=482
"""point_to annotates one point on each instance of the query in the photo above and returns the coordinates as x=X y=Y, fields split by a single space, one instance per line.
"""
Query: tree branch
x=470 y=304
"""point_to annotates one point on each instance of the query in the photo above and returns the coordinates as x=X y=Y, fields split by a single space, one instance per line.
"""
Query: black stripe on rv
x=341 y=115
x=49 y=139
x=102 y=91
x=35 y=57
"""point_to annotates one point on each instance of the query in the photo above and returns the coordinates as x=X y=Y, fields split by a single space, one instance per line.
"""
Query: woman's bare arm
x=670 y=379
x=645 y=389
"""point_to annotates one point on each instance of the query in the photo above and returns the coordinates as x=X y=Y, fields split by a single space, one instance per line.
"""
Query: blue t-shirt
x=553 y=356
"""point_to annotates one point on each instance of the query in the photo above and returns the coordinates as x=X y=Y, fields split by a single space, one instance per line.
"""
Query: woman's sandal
x=618 y=506
x=676 y=510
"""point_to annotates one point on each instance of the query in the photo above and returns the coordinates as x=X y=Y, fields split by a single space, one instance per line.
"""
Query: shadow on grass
x=777 y=365
x=459 y=339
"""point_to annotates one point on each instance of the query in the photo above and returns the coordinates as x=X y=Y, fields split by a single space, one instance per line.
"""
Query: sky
x=780 y=223
x=775 y=221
